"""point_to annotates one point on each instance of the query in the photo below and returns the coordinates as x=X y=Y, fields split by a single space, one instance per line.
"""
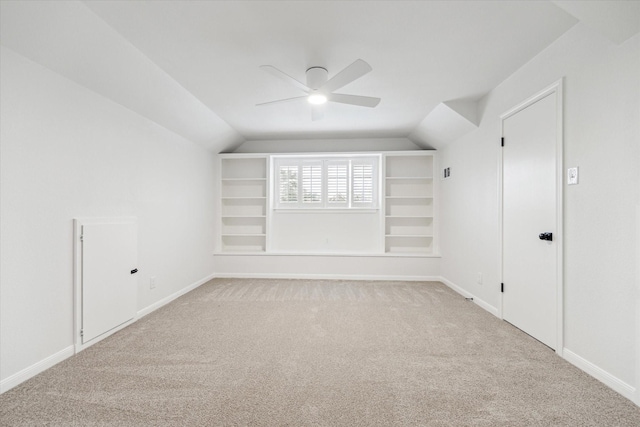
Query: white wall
x=326 y=232
x=602 y=137
x=328 y=267
x=327 y=145
x=67 y=152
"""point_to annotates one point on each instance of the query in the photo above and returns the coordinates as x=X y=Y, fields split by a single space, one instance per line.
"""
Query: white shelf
x=244 y=198
x=409 y=197
x=409 y=204
x=240 y=252
x=243 y=190
x=409 y=216
x=331 y=254
x=413 y=178
x=243 y=179
x=408 y=235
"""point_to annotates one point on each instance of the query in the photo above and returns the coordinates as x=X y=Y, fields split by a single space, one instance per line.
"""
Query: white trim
x=556 y=88
x=435 y=164
x=54 y=359
x=79 y=346
x=600 y=374
x=559 y=88
x=637 y=399
x=164 y=301
x=500 y=207
x=327 y=210
x=482 y=304
x=376 y=278
x=333 y=254
x=33 y=370
x=299 y=163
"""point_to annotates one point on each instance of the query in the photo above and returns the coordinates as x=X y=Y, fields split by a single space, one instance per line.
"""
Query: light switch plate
x=572 y=176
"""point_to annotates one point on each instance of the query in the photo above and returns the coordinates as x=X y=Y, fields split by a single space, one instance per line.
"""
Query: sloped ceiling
x=616 y=20
x=193 y=66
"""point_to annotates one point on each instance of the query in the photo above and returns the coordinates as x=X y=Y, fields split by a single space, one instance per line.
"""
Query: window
x=288 y=188
x=362 y=183
x=312 y=183
x=338 y=184
x=331 y=182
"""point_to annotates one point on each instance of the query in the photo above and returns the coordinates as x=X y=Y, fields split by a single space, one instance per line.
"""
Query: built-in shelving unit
x=405 y=224
x=409 y=203
x=243 y=204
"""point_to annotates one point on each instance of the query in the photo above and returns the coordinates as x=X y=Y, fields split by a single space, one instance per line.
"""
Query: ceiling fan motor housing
x=316 y=77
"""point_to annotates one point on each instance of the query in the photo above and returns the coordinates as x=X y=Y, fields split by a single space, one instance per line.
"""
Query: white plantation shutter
x=337 y=183
x=363 y=180
x=332 y=182
x=312 y=183
x=288 y=184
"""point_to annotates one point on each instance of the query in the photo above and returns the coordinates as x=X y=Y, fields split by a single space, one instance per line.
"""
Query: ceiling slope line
x=68 y=35
x=447 y=122
x=618 y=21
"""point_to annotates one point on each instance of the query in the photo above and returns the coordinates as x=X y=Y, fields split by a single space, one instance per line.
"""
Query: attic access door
x=108 y=286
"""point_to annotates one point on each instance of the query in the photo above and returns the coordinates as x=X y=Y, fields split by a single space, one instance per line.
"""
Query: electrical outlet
x=152 y=282
x=479 y=279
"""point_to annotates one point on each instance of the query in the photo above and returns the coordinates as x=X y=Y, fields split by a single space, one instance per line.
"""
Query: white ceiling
x=422 y=53
x=192 y=66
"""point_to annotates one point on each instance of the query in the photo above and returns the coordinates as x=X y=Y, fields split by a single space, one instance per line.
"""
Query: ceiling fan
x=320 y=89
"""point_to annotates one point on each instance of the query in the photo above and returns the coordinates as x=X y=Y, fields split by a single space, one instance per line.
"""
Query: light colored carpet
x=317 y=353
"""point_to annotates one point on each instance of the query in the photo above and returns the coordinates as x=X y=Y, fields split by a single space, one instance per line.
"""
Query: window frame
x=326 y=162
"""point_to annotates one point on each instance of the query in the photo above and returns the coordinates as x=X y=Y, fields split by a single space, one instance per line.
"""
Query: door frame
x=557 y=89
x=77 y=279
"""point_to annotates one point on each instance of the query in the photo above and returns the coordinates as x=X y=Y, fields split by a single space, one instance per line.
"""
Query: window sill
x=327 y=211
x=332 y=254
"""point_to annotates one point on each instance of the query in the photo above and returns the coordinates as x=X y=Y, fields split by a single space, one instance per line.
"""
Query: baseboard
x=600 y=374
x=483 y=304
x=35 y=369
x=164 y=301
x=326 y=277
x=83 y=346
x=58 y=357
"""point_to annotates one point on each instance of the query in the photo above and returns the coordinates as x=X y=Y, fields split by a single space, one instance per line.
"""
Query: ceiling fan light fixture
x=317 y=99
x=320 y=89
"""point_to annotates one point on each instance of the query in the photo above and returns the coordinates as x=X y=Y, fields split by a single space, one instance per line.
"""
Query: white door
x=529 y=209
x=109 y=285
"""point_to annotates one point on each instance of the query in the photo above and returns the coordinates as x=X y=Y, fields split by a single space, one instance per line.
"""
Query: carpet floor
x=317 y=353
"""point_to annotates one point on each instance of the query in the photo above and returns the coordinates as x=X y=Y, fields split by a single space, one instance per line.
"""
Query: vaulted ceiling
x=193 y=66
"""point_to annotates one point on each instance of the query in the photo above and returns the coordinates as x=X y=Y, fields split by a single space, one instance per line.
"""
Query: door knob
x=546 y=236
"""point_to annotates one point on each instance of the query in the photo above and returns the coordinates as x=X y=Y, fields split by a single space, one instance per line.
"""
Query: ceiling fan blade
x=362 y=101
x=354 y=71
x=317 y=112
x=281 y=101
x=286 y=77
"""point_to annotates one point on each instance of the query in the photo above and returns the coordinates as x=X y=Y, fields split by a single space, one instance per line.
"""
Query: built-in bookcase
x=406 y=224
x=409 y=203
x=243 y=204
